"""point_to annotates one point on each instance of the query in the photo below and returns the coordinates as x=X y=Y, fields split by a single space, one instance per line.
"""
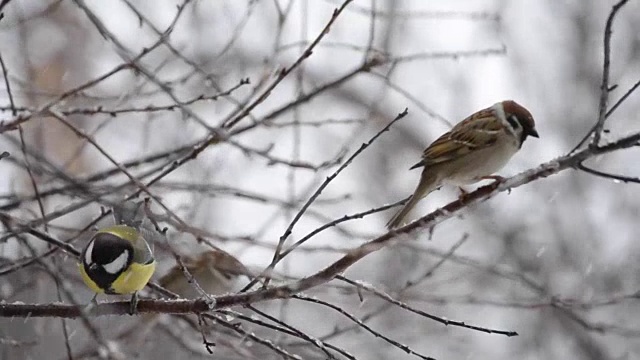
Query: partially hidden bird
x=216 y=272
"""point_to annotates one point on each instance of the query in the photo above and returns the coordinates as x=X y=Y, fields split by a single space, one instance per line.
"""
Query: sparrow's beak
x=534 y=133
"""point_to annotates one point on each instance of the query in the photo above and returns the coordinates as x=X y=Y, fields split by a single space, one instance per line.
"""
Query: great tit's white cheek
x=87 y=255
x=118 y=264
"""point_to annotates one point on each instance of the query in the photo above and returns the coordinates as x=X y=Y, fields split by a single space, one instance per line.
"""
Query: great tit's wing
x=143 y=243
x=143 y=249
x=130 y=213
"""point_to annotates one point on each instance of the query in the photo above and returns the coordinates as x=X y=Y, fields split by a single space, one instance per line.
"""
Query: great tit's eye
x=87 y=254
x=513 y=121
x=117 y=265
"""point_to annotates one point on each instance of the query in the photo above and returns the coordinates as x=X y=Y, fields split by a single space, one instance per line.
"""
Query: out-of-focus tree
x=277 y=131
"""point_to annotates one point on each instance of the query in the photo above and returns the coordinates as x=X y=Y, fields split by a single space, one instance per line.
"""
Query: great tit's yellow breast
x=134 y=278
x=88 y=281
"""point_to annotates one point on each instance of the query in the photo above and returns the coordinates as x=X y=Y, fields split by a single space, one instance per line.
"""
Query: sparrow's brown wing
x=217 y=260
x=228 y=264
x=477 y=131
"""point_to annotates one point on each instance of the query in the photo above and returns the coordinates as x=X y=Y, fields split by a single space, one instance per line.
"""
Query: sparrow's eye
x=513 y=121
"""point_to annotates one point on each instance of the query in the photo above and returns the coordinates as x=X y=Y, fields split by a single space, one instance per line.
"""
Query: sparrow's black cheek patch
x=513 y=121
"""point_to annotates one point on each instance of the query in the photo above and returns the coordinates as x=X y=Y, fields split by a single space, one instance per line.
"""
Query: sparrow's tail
x=428 y=183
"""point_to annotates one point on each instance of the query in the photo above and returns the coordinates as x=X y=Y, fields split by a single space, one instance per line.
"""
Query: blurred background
x=555 y=260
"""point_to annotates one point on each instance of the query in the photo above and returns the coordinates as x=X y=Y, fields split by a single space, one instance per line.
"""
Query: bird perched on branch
x=216 y=272
x=473 y=150
x=210 y=273
x=118 y=260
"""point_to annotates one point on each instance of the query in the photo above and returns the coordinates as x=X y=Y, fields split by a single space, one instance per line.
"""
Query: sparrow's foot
x=463 y=194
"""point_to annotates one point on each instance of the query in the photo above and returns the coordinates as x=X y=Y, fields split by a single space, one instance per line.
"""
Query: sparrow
x=216 y=272
x=473 y=150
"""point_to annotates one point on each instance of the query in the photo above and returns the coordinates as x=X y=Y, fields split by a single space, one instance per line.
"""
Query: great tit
x=118 y=260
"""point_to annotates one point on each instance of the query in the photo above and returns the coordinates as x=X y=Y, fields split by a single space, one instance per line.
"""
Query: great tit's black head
x=105 y=257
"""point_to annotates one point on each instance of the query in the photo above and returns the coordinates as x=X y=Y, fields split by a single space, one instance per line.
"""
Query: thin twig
x=364 y=326
x=604 y=88
x=34 y=184
x=614 y=177
x=596 y=130
x=287 y=70
x=447 y=322
x=5 y=73
x=314 y=196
